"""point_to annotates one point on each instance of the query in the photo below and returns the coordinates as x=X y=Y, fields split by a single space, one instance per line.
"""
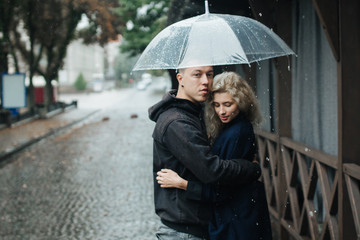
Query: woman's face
x=225 y=107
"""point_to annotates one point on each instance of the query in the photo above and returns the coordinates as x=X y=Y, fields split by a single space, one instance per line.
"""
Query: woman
x=238 y=211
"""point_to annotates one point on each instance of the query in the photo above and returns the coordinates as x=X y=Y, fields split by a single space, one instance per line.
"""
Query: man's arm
x=191 y=147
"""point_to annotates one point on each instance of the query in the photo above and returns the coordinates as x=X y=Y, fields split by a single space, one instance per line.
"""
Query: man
x=181 y=144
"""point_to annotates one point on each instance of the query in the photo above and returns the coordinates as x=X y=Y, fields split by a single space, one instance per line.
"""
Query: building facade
x=82 y=59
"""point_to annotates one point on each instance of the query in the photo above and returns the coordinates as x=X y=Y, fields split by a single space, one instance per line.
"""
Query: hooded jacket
x=181 y=144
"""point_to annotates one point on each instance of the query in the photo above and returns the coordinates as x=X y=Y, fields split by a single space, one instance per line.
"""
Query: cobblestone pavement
x=91 y=182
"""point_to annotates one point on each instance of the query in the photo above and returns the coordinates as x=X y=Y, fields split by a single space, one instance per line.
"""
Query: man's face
x=195 y=83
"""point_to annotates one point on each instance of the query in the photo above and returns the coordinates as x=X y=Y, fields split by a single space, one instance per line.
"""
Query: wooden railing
x=302 y=188
x=352 y=178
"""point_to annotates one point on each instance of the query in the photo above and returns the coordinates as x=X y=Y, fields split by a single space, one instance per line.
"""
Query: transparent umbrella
x=211 y=40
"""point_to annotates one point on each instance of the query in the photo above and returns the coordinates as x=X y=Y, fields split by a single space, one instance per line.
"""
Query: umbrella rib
x=183 y=50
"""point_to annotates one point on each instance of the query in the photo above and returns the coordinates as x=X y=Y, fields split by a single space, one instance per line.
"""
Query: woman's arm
x=167 y=178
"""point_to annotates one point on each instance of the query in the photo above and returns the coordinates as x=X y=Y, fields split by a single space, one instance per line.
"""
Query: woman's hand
x=169 y=179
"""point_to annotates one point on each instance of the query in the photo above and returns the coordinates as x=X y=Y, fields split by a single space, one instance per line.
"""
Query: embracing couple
x=205 y=168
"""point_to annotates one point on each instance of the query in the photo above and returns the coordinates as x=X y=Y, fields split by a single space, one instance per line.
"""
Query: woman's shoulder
x=236 y=132
x=241 y=125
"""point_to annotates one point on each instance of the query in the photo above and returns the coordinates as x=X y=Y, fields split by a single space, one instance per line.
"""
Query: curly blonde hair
x=241 y=92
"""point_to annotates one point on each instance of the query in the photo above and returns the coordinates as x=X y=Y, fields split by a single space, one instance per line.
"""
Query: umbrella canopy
x=211 y=40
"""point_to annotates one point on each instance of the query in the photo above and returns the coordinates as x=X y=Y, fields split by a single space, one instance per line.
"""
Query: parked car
x=141 y=85
x=146 y=80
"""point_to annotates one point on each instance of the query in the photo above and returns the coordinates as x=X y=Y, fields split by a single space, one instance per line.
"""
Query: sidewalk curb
x=37 y=116
x=5 y=155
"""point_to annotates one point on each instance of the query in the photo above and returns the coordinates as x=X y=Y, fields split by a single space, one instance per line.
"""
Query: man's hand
x=170 y=179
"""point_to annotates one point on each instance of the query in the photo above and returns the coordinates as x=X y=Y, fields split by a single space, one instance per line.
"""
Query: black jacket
x=181 y=144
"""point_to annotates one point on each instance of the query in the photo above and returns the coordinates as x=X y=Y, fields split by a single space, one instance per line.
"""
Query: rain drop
x=260 y=14
x=267 y=159
x=311 y=214
x=257 y=224
x=307 y=150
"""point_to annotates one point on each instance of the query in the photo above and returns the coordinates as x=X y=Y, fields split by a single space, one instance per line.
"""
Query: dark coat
x=238 y=211
x=181 y=144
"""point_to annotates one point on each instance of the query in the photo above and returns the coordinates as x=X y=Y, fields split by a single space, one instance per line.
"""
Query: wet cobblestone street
x=93 y=181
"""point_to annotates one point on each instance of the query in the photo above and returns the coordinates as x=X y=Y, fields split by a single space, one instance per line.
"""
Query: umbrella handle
x=206 y=7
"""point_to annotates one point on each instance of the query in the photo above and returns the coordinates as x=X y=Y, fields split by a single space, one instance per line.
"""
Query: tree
x=144 y=19
x=51 y=26
x=8 y=11
x=80 y=83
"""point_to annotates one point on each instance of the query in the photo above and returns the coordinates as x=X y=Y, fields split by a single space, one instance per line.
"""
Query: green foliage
x=145 y=19
x=80 y=83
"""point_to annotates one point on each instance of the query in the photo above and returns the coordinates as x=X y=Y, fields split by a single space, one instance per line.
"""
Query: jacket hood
x=170 y=101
